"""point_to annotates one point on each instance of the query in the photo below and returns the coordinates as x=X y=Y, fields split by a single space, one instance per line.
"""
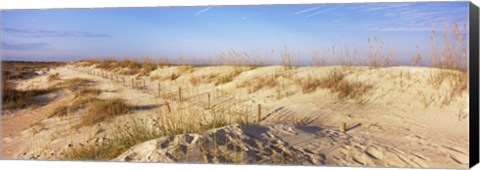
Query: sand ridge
x=399 y=127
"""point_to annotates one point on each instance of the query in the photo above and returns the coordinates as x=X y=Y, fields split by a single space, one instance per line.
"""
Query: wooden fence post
x=343 y=126
x=159 y=95
x=209 y=99
x=144 y=85
x=179 y=94
x=166 y=107
x=133 y=84
x=259 y=113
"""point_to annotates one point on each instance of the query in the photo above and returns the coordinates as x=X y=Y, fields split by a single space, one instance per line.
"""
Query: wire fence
x=196 y=98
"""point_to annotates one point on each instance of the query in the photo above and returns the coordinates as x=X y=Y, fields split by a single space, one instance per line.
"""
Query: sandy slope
x=401 y=123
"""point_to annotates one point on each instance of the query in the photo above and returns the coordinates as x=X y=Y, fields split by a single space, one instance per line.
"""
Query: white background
x=72 y=165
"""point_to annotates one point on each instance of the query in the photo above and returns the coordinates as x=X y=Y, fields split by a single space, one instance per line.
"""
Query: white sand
x=402 y=122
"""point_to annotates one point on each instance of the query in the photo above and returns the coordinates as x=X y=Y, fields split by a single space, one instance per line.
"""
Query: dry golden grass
x=53 y=77
x=72 y=84
x=59 y=111
x=222 y=79
x=378 y=54
x=351 y=90
x=311 y=83
x=19 y=99
x=448 y=51
x=173 y=76
x=178 y=120
x=18 y=69
x=417 y=58
x=87 y=62
x=185 y=69
x=147 y=66
x=258 y=83
x=196 y=80
x=81 y=99
x=286 y=58
x=332 y=78
x=337 y=84
x=172 y=121
x=452 y=53
x=308 y=84
x=218 y=79
x=451 y=56
x=104 y=109
x=181 y=71
x=457 y=82
x=121 y=140
x=126 y=66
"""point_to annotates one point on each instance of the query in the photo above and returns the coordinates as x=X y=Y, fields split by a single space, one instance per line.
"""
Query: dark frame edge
x=474 y=85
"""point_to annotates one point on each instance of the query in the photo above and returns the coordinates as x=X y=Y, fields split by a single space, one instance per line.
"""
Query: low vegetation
x=73 y=84
x=311 y=83
x=104 y=109
x=171 y=121
x=14 y=70
x=121 y=140
x=456 y=83
x=222 y=79
x=337 y=83
x=204 y=79
x=19 y=99
x=258 y=83
x=53 y=77
x=82 y=98
x=178 y=119
x=19 y=69
x=351 y=90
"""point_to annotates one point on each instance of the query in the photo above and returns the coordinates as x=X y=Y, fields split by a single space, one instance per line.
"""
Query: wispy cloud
x=382 y=7
x=320 y=12
x=410 y=14
x=306 y=10
x=203 y=10
x=40 y=33
x=23 y=46
x=243 y=18
x=402 y=29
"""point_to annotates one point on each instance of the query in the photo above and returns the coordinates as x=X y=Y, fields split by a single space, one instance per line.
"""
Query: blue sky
x=201 y=32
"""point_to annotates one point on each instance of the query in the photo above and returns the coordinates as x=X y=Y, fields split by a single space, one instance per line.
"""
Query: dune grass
x=222 y=79
x=173 y=120
x=81 y=99
x=120 y=141
x=104 y=109
x=351 y=90
x=141 y=130
x=260 y=82
x=337 y=83
x=204 y=79
x=72 y=84
x=53 y=77
x=19 y=99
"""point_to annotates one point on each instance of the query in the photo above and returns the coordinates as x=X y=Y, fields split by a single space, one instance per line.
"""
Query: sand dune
x=403 y=119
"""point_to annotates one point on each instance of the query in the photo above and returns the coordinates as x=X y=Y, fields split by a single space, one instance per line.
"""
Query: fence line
x=211 y=98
